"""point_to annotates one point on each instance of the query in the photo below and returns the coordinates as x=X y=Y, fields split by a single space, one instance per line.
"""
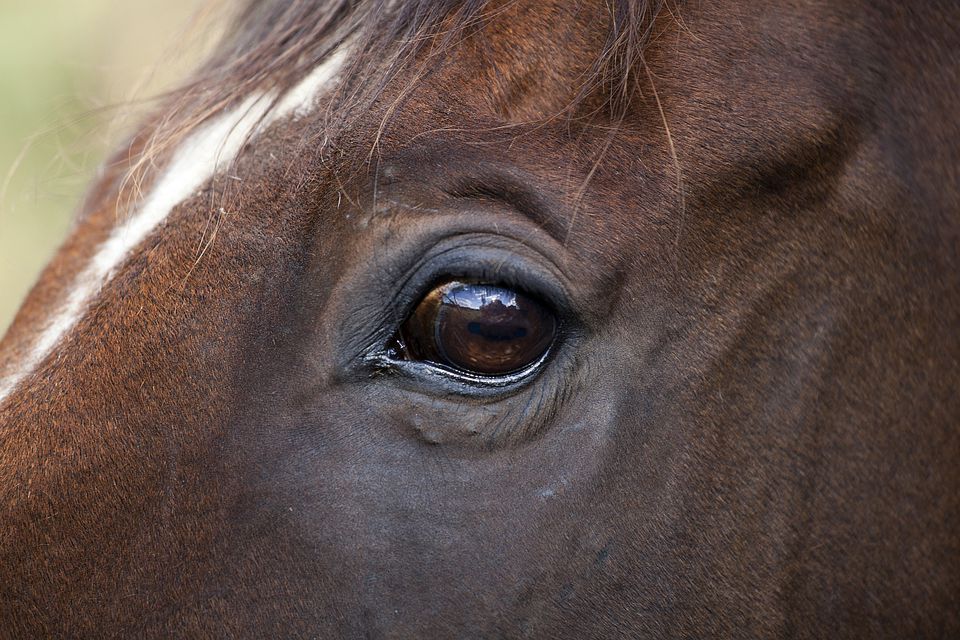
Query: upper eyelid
x=545 y=287
x=514 y=195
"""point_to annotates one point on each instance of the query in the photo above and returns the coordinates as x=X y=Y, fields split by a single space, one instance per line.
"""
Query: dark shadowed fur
x=743 y=216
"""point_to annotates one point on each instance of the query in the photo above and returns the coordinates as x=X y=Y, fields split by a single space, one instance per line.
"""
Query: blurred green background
x=74 y=78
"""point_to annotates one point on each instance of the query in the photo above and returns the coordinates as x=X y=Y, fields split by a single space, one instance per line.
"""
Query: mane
x=271 y=44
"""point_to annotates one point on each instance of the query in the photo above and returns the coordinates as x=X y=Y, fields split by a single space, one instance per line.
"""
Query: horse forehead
x=206 y=152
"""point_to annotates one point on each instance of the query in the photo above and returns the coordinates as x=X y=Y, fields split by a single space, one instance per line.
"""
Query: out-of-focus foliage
x=74 y=77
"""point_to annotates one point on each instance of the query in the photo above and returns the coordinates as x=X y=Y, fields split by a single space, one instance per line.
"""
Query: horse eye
x=479 y=329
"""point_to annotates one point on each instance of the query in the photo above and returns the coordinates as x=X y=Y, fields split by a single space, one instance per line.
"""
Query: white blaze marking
x=206 y=152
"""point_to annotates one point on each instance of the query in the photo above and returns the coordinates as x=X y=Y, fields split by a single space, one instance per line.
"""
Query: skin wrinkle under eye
x=204 y=154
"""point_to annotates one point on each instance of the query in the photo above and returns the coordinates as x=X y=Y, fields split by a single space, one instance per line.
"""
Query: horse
x=507 y=318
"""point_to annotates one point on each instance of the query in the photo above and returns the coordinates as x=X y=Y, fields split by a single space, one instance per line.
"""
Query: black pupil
x=479 y=328
x=490 y=332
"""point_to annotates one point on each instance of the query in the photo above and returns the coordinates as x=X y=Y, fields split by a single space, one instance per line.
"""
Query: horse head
x=507 y=319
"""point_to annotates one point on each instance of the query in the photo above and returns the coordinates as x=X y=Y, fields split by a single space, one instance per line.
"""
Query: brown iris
x=478 y=328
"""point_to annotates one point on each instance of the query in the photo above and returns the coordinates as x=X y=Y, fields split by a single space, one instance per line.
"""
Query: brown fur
x=750 y=429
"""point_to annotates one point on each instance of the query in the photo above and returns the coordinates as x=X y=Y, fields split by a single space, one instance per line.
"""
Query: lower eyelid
x=458 y=381
x=514 y=411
